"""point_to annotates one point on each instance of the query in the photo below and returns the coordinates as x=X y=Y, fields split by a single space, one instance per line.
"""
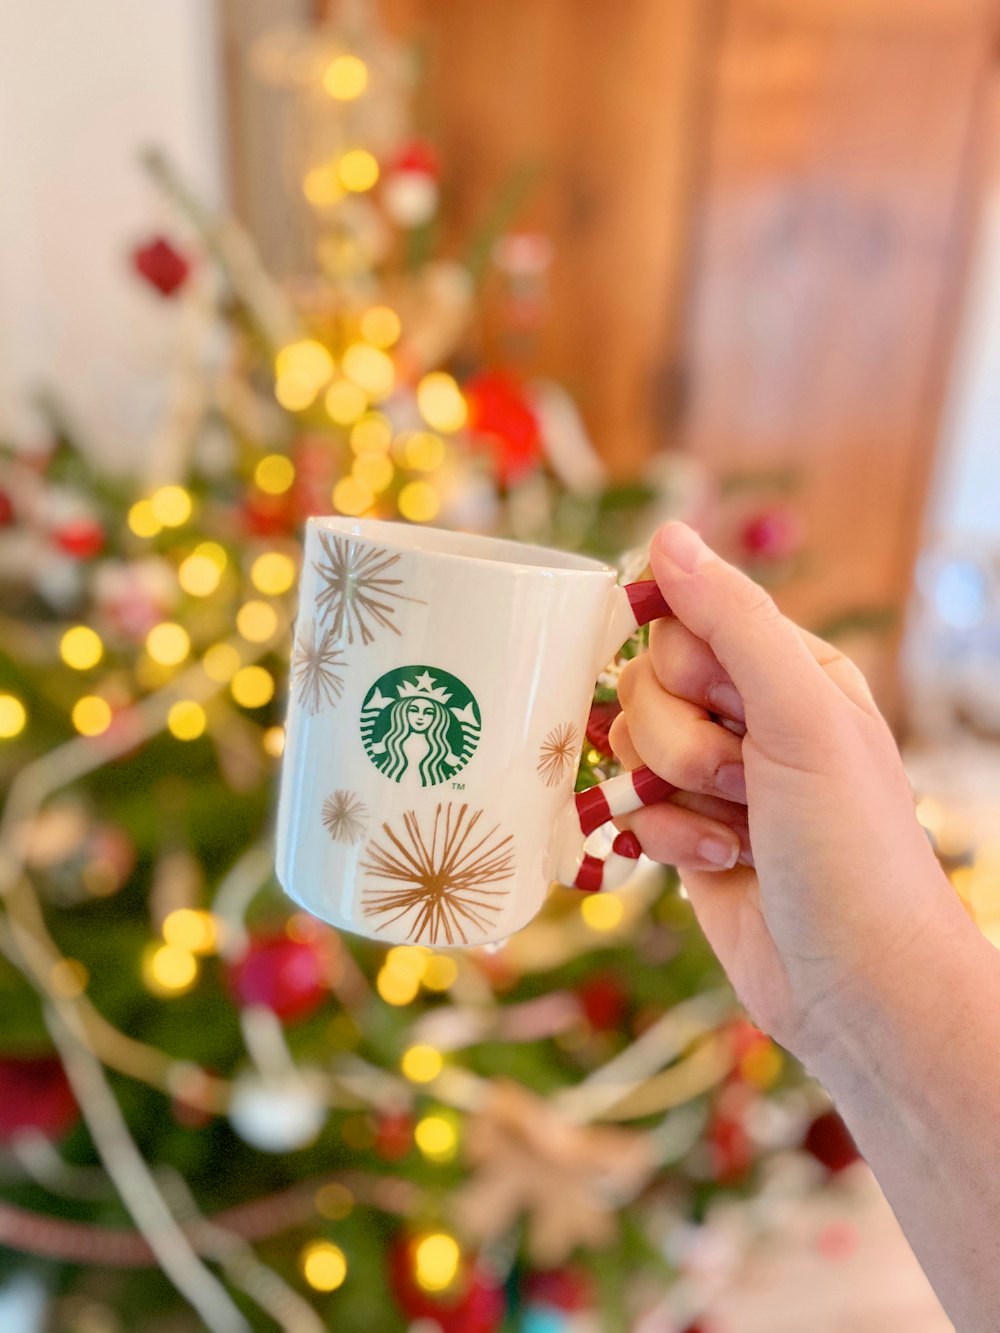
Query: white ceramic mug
x=439 y=693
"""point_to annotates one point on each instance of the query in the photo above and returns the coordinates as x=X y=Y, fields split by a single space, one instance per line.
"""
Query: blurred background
x=548 y=270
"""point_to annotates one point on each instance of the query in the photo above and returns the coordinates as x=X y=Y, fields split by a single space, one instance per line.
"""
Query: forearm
x=914 y=1067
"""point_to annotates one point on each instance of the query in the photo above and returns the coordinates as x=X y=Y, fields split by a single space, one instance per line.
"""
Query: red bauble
x=773 y=534
x=82 y=538
x=286 y=975
x=36 y=1096
x=393 y=1136
x=829 y=1140
x=6 y=509
x=502 y=421
x=476 y=1304
x=570 y=1289
x=267 y=515
x=604 y=1001
x=730 y=1147
x=161 y=265
x=418 y=156
x=599 y=725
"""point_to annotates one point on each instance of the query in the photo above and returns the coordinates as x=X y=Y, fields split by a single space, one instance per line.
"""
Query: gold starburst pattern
x=443 y=880
x=357 y=590
x=345 y=815
x=317 y=668
x=557 y=753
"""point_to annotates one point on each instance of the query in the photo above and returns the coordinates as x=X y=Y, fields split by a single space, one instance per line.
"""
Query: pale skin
x=796 y=836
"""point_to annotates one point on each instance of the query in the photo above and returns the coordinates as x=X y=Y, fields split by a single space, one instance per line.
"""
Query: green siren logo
x=420 y=724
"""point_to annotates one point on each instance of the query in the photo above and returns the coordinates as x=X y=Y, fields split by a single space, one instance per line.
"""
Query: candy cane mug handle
x=575 y=866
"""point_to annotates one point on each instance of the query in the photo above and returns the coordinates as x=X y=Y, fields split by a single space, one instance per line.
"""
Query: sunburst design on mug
x=356 y=589
x=557 y=754
x=317 y=667
x=345 y=816
x=445 y=880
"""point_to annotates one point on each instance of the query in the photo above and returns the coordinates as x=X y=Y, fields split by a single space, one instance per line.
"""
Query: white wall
x=83 y=86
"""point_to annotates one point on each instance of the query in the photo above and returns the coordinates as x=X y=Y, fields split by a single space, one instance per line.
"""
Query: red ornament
x=599 y=725
x=829 y=1140
x=393 y=1136
x=267 y=515
x=570 y=1289
x=772 y=535
x=475 y=1304
x=161 y=265
x=604 y=1001
x=6 y=509
x=289 y=976
x=36 y=1096
x=503 y=422
x=417 y=156
x=82 y=538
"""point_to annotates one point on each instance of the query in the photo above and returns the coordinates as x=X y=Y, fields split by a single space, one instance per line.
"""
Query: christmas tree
x=219 y=1113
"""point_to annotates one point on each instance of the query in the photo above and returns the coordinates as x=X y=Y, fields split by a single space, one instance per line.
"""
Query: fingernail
x=719 y=852
x=726 y=698
x=683 y=547
x=731 y=781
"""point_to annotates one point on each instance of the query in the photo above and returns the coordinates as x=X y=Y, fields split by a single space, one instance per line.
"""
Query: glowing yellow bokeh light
x=407 y=958
x=381 y=326
x=214 y=552
x=352 y=496
x=306 y=360
x=191 y=929
x=440 y=973
x=424 y=451
x=370 y=369
x=419 y=502
x=345 y=402
x=602 y=911
x=171 y=506
x=186 y=720
x=198 y=575
x=168 y=643
x=435 y=1261
x=372 y=434
x=436 y=1138
x=321 y=186
x=761 y=1064
x=324 y=1265
x=421 y=1064
x=373 y=470
x=294 y=394
x=357 y=170
x=143 y=521
x=397 y=988
x=346 y=77
x=273 y=573
x=252 y=687
x=169 y=970
x=91 y=715
x=81 y=648
x=221 y=662
x=273 y=741
x=274 y=474
x=441 y=403
x=13 y=716
x=256 y=621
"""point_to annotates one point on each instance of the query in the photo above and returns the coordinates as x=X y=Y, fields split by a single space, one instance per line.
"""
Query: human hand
x=797 y=841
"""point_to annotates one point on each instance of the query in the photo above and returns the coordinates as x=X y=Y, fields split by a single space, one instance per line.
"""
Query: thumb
x=778 y=677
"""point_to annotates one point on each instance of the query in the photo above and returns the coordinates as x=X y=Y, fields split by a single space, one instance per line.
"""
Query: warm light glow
x=91 y=715
x=191 y=929
x=421 y=1064
x=273 y=741
x=186 y=720
x=293 y=394
x=381 y=326
x=424 y=451
x=80 y=648
x=440 y=402
x=168 y=643
x=441 y=972
x=13 y=716
x=352 y=496
x=252 y=687
x=346 y=77
x=407 y=958
x=345 y=402
x=273 y=573
x=256 y=621
x=221 y=662
x=435 y=1261
x=602 y=911
x=214 y=552
x=419 y=502
x=306 y=359
x=334 y=1201
x=198 y=575
x=358 y=170
x=321 y=186
x=372 y=434
x=397 y=988
x=370 y=369
x=143 y=521
x=436 y=1138
x=761 y=1064
x=373 y=470
x=274 y=474
x=168 y=970
x=171 y=506
x=324 y=1266
x=68 y=978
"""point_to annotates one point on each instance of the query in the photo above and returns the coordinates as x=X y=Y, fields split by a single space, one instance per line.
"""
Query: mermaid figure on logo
x=417 y=736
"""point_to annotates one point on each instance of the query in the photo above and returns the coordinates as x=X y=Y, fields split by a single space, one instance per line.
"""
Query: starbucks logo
x=420 y=725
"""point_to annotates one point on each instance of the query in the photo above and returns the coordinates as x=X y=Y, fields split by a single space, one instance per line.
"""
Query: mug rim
x=507 y=553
